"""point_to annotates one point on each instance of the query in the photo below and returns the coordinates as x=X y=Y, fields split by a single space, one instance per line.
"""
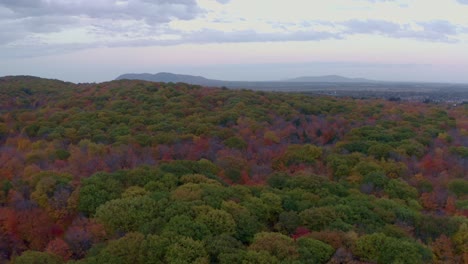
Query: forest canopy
x=142 y=172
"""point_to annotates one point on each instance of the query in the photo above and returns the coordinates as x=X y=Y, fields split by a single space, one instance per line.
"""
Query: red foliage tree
x=60 y=248
x=300 y=232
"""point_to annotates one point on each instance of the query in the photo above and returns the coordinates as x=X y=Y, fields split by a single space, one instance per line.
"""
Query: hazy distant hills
x=330 y=78
x=329 y=84
x=171 y=77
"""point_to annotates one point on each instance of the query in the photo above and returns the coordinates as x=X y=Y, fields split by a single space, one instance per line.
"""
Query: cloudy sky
x=97 y=40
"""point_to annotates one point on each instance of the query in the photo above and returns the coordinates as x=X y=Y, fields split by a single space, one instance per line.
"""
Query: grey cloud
x=46 y=24
x=7 y=37
x=401 y=5
x=377 y=1
x=22 y=3
x=215 y=36
x=440 y=26
x=371 y=26
x=41 y=49
x=13 y=28
x=55 y=15
x=134 y=33
x=157 y=10
x=199 y=37
x=207 y=36
x=438 y=31
x=223 y=1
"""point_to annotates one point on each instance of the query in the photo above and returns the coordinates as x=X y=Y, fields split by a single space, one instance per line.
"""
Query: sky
x=254 y=40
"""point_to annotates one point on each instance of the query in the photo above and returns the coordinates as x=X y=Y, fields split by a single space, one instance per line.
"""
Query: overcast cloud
x=438 y=30
x=40 y=28
x=24 y=18
x=142 y=22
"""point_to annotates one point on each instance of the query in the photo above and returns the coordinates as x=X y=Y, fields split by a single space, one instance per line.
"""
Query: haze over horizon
x=93 y=41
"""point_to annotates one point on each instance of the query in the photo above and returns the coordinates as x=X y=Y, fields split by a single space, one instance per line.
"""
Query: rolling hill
x=131 y=171
x=199 y=80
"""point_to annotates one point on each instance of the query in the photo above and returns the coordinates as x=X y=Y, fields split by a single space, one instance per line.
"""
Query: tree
x=36 y=257
x=247 y=224
x=185 y=250
x=183 y=225
x=288 y=222
x=187 y=192
x=218 y=222
x=133 y=248
x=134 y=191
x=382 y=249
x=459 y=187
x=259 y=257
x=297 y=154
x=128 y=214
x=97 y=190
x=235 y=142
x=314 y=251
x=156 y=247
x=318 y=218
x=460 y=239
x=278 y=245
x=442 y=248
x=222 y=245
x=36 y=228
x=82 y=234
x=428 y=201
x=400 y=189
x=380 y=150
x=59 y=248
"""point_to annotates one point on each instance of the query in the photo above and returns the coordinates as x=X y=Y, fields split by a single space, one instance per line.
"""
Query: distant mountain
x=169 y=77
x=330 y=78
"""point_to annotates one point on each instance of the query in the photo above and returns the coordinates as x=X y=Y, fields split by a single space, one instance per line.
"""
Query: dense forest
x=143 y=172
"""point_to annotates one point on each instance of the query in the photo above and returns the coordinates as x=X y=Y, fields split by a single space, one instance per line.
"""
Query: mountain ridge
x=200 y=80
x=169 y=77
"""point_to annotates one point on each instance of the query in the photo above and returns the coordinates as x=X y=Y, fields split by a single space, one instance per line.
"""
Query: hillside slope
x=137 y=171
x=169 y=77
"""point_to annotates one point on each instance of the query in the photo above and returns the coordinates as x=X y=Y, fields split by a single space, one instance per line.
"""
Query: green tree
x=126 y=250
x=36 y=257
x=183 y=225
x=380 y=150
x=460 y=238
x=218 y=222
x=401 y=190
x=133 y=248
x=314 y=251
x=235 y=142
x=259 y=257
x=278 y=245
x=222 y=245
x=134 y=191
x=296 y=154
x=319 y=218
x=187 y=251
x=288 y=222
x=247 y=224
x=96 y=190
x=382 y=249
x=129 y=214
x=459 y=187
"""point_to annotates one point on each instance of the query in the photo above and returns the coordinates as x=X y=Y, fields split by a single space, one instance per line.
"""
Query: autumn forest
x=145 y=172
